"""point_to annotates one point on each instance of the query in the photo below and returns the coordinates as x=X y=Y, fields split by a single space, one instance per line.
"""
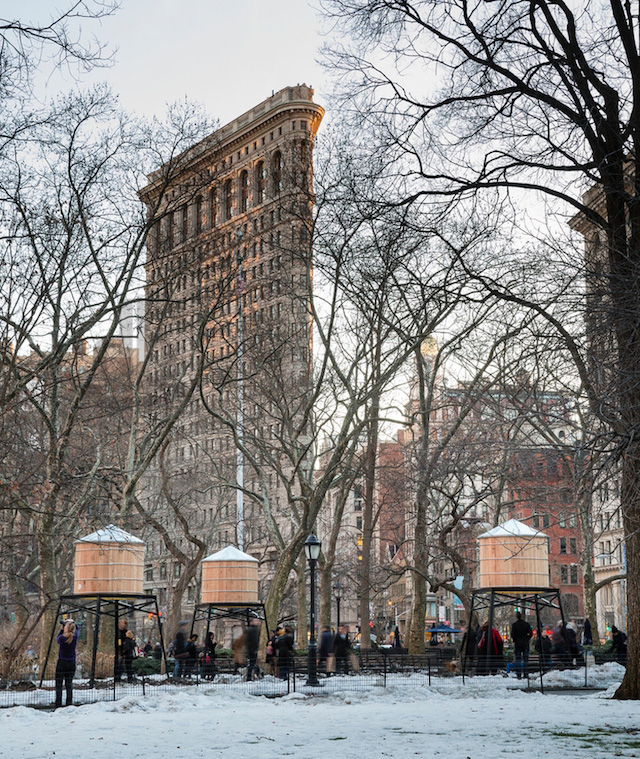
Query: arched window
x=244 y=191
x=228 y=200
x=277 y=172
x=259 y=182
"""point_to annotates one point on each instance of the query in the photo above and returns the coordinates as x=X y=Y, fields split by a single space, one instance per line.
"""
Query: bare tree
x=529 y=97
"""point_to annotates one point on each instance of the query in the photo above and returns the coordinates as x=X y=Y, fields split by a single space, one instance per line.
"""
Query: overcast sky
x=226 y=54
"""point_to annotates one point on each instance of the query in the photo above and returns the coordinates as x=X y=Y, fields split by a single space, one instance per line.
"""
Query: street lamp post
x=312 y=548
x=337 y=594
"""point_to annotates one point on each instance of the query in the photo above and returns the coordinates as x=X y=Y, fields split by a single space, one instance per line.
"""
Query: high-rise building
x=228 y=327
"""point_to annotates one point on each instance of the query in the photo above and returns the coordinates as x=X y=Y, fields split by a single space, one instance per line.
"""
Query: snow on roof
x=512 y=528
x=110 y=534
x=230 y=554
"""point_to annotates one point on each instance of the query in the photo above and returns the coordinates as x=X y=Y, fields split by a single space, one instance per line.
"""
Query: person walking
x=67 y=641
x=587 y=635
x=129 y=654
x=120 y=639
x=325 y=649
x=252 y=641
x=619 y=645
x=490 y=647
x=180 y=649
x=341 y=650
x=284 y=651
x=521 y=634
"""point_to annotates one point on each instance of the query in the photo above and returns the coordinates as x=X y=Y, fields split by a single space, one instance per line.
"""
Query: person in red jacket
x=489 y=651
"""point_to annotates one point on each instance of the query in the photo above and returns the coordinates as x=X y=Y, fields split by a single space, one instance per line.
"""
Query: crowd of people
x=558 y=647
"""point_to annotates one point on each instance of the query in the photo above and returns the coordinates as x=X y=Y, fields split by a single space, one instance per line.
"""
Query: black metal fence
x=359 y=672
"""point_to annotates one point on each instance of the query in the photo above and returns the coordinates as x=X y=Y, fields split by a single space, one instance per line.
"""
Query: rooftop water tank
x=230 y=576
x=513 y=555
x=109 y=562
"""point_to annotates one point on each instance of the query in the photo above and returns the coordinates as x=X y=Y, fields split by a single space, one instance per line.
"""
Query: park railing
x=360 y=671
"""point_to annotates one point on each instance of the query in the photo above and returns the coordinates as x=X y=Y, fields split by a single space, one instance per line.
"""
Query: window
x=184 y=226
x=199 y=214
x=572 y=520
x=163 y=571
x=545 y=520
x=277 y=172
x=228 y=200
x=244 y=191
x=536 y=521
x=358 y=523
x=563 y=545
x=564 y=575
x=212 y=209
x=259 y=183
x=177 y=570
x=573 y=574
x=573 y=548
x=562 y=520
x=148 y=574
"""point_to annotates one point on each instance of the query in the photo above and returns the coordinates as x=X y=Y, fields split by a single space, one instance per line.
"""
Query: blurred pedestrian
x=284 y=651
x=252 y=641
x=619 y=645
x=239 y=654
x=67 y=641
x=587 y=635
x=342 y=649
x=120 y=639
x=325 y=649
x=180 y=650
x=129 y=654
x=521 y=634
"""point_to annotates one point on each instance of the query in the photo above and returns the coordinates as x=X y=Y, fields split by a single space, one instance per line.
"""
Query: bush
x=146 y=665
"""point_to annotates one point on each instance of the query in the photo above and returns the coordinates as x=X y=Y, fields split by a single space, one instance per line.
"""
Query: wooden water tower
x=109 y=561
x=230 y=576
x=513 y=555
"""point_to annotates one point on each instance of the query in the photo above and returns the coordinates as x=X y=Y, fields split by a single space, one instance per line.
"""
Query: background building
x=227 y=325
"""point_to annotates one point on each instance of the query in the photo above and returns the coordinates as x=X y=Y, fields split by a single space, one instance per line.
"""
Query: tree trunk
x=301 y=596
x=630 y=686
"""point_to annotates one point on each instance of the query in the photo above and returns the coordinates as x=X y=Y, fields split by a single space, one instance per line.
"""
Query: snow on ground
x=485 y=717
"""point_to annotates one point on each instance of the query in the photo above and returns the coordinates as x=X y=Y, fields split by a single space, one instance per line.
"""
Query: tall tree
x=525 y=97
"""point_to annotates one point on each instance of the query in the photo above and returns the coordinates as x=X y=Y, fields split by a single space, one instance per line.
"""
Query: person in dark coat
x=270 y=654
x=469 y=648
x=619 y=645
x=252 y=641
x=325 y=649
x=67 y=640
x=559 y=644
x=191 y=659
x=490 y=649
x=397 y=641
x=341 y=650
x=284 y=651
x=210 y=669
x=587 y=635
x=180 y=650
x=521 y=634
x=543 y=647
x=157 y=651
x=120 y=662
x=129 y=654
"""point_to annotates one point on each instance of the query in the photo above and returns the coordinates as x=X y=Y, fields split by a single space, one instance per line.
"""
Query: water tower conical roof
x=230 y=553
x=512 y=528
x=110 y=534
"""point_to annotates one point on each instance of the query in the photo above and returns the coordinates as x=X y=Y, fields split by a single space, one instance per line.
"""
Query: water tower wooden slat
x=513 y=555
x=109 y=561
x=229 y=576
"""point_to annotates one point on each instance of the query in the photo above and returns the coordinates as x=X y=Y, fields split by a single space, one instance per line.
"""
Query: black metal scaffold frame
x=114 y=605
x=484 y=599
x=228 y=610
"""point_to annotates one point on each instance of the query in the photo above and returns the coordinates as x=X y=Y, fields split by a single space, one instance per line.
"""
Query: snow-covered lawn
x=485 y=718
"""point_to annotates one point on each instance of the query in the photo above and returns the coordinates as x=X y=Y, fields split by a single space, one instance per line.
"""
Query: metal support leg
x=96 y=637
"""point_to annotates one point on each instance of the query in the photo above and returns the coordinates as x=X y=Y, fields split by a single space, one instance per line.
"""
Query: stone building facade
x=228 y=327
